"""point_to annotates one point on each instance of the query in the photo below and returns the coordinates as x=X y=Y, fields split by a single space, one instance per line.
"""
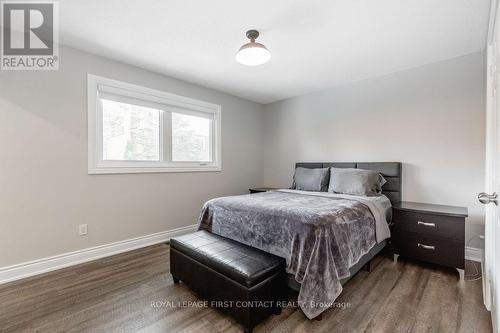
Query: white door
x=491 y=279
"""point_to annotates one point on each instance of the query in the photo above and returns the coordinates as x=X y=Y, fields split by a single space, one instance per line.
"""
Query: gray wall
x=431 y=118
x=45 y=191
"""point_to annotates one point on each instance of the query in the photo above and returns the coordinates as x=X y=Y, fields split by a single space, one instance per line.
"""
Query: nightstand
x=262 y=189
x=432 y=233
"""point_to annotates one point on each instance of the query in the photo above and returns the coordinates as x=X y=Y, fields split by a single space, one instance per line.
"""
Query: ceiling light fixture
x=253 y=54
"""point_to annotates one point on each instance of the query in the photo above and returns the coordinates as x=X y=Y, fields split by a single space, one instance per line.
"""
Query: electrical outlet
x=82 y=229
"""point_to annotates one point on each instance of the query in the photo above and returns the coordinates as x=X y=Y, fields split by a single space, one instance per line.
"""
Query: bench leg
x=368 y=266
x=176 y=279
x=247 y=329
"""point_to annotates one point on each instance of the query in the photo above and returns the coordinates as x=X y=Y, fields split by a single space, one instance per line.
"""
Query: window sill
x=118 y=170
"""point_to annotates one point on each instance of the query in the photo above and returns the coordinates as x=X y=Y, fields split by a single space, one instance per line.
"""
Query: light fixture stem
x=252 y=35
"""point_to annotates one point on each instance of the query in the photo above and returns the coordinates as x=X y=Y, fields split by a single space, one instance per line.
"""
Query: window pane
x=190 y=138
x=130 y=132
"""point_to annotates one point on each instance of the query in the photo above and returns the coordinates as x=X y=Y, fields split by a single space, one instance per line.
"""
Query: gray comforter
x=321 y=235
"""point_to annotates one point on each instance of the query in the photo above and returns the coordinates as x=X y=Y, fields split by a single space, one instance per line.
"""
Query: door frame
x=491 y=270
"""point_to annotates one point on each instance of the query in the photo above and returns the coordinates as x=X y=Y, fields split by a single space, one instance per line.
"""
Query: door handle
x=486 y=198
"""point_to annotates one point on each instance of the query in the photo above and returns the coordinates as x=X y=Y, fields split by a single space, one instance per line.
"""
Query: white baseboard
x=474 y=254
x=27 y=269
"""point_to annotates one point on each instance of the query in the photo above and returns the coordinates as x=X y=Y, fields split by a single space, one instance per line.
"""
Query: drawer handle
x=427 y=247
x=427 y=224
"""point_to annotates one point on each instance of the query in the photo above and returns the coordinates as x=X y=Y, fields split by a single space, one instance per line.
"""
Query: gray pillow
x=356 y=182
x=311 y=179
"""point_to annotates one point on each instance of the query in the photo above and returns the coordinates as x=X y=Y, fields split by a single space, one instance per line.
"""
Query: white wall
x=431 y=118
x=45 y=191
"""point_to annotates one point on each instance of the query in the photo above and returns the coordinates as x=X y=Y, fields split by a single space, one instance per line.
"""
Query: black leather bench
x=246 y=283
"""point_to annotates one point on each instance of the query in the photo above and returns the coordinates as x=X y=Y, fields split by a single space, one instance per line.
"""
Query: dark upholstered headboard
x=390 y=170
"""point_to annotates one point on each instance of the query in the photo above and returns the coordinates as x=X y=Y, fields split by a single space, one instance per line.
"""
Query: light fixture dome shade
x=253 y=54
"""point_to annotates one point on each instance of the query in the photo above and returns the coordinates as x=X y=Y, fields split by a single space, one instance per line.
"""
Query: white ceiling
x=314 y=44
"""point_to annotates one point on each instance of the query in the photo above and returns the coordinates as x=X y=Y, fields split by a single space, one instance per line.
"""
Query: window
x=135 y=129
x=129 y=132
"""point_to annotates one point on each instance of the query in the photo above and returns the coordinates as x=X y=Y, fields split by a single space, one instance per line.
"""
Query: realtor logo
x=29 y=35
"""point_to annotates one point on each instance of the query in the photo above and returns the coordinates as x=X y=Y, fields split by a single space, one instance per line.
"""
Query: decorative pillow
x=311 y=179
x=356 y=182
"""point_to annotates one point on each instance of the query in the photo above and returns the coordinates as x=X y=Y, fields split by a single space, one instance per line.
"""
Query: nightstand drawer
x=432 y=249
x=433 y=225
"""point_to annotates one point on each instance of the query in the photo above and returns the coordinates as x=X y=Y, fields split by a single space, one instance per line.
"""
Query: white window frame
x=163 y=101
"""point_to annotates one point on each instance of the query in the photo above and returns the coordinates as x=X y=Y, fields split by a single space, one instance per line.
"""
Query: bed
x=325 y=237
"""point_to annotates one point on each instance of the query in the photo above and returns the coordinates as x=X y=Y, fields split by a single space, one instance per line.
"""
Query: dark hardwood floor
x=134 y=292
